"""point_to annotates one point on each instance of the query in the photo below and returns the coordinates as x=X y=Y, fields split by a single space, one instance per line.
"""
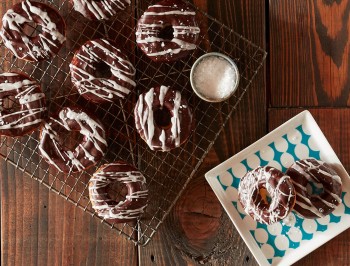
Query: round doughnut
x=260 y=182
x=43 y=46
x=101 y=72
x=163 y=118
x=86 y=154
x=309 y=205
x=135 y=201
x=31 y=100
x=98 y=10
x=167 y=31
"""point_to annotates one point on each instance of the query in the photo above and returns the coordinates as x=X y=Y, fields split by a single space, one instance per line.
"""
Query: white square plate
x=293 y=238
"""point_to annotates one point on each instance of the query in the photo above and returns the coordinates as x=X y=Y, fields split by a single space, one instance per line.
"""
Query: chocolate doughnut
x=86 y=154
x=260 y=181
x=167 y=31
x=163 y=118
x=101 y=72
x=43 y=46
x=28 y=95
x=135 y=201
x=98 y=10
x=309 y=205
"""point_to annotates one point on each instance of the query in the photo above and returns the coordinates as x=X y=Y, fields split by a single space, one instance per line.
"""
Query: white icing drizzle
x=250 y=185
x=47 y=43
x=144 y=111
x=172 y=12
x=93 y=132
x=107 y=89
x=102 y=179
x=162 y=139
x=28 y=94
x=163 y=91
x=305 y=169
x=184 y=36
x=100 y=10
x=175 y=120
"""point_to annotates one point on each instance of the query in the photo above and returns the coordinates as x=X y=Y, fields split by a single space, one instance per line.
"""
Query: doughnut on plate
x=288 y=241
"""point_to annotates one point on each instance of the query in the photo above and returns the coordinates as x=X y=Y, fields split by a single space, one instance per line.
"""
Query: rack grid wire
x=167 y=173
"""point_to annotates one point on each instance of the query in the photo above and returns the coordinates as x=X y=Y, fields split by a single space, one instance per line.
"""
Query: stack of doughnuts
x=268 y=195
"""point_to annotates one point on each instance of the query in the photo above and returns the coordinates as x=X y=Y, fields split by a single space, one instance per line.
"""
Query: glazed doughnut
x=310 y=205
x=101 y=72
x=167 y=31
x=31 y=99
x=86 y=154
x=98 y=10
x=43 y=46
x=135 y=201
x=279 y=186
x=163 y=118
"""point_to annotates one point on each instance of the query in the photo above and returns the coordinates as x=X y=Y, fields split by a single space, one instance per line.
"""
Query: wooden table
x=307 y=68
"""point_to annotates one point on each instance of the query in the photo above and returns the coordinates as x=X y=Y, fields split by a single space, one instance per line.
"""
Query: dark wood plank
x=198 y=230
x=41 y=228
x=335 y=126
x=309 y=52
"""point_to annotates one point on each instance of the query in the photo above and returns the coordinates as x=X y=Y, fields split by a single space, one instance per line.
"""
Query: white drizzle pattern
x=250 y=185
x=134 y=204
x=306 y=168
x=158 y=16
x=81 y=157
x=47 y=43
x=104 y=89
x=28 y=93
x=99 y=10
x=144 y=111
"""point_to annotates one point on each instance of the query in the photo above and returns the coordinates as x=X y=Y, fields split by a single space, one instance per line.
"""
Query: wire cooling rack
x=168 y=173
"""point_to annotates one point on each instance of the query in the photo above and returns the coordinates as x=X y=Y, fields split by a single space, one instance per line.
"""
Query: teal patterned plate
x=293 y=238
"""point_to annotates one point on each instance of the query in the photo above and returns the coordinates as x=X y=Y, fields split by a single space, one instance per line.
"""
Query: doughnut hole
x=10 y=104
x=314 y=189
x=117 y=191
x=32 y=29
x=261 y=197
x=166 y=33
x=265 y=195
x=102 y=70
x=70 y=139
x=162 y=118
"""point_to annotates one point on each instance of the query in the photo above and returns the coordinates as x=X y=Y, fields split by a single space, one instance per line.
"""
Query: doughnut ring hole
x=265 y=195
x=70 y=139
x=32 y=29
x=314 y=188
x=117 y=191
x=162 y=118
x=102 y=70
x=166 y=33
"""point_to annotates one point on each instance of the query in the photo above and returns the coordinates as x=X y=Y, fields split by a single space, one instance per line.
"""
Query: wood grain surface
x=309 y=56
x=307 y=67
